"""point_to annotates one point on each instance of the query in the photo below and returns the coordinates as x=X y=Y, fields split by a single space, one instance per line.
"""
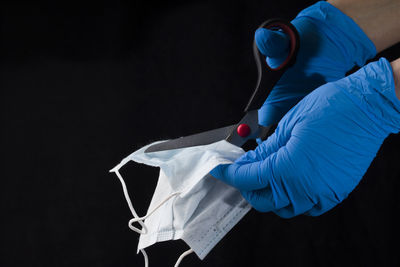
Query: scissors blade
x=199 y=139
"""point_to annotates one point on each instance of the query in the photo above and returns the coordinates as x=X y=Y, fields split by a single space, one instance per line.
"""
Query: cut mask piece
x=188 y=203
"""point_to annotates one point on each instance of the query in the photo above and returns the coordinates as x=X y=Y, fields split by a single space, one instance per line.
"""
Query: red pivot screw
x=243 y=130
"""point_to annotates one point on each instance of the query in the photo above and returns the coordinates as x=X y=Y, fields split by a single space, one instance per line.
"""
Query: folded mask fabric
x=188 y=203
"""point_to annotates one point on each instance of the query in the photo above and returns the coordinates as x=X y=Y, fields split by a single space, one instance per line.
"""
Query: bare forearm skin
x=379 y=19
x=396 y=75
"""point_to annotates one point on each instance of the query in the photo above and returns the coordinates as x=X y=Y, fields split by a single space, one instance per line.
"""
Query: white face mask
x=188 y=203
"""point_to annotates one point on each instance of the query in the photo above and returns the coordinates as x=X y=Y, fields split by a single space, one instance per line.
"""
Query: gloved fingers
x=280 y=199
x=273 y=143
x=264 y=200
x=272 y=44
x=271 y=113
x=262 y=151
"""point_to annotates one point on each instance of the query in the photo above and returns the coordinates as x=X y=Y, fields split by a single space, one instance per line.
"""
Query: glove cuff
x=349 y=37
x=372 y=87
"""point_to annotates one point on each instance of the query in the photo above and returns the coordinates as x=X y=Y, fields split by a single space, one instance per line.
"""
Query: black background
x=84 y=84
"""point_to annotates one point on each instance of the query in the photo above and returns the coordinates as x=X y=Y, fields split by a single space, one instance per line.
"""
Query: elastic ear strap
x=146 y=258
x=184 y=254
x=128 y=200
x=136 y=218
x=119 y=166
x=141 y=219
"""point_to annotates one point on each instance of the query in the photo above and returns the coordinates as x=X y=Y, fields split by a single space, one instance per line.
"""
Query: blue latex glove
x=331 y=44
x=322 y=147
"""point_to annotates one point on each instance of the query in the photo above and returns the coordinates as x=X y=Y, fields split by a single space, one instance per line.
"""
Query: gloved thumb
x=253 y=170
x=241 y=176
x=273 y=44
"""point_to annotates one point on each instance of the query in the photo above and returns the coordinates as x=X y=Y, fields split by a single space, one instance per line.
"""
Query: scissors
x=247 y=128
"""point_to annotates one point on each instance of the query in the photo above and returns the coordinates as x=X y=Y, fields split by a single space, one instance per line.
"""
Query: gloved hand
x=322 y=147
x=331 y=44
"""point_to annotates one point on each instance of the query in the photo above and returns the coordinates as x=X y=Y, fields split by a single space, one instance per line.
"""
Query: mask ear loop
x=184 y=254
x=141 y=219
x=136 y=217
x=128 y=199
x=146 y=258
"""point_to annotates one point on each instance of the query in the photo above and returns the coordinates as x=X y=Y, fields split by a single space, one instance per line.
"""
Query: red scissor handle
x=267 y=76
x=291 y=31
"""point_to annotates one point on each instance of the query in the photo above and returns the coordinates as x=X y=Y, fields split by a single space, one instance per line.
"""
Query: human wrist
x=377 y=18
x=396 y=76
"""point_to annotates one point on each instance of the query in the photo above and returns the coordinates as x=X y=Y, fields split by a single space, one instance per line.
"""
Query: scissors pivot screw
x=243 y=130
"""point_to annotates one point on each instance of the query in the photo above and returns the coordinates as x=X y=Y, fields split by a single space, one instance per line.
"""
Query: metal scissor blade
x=199 y=139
